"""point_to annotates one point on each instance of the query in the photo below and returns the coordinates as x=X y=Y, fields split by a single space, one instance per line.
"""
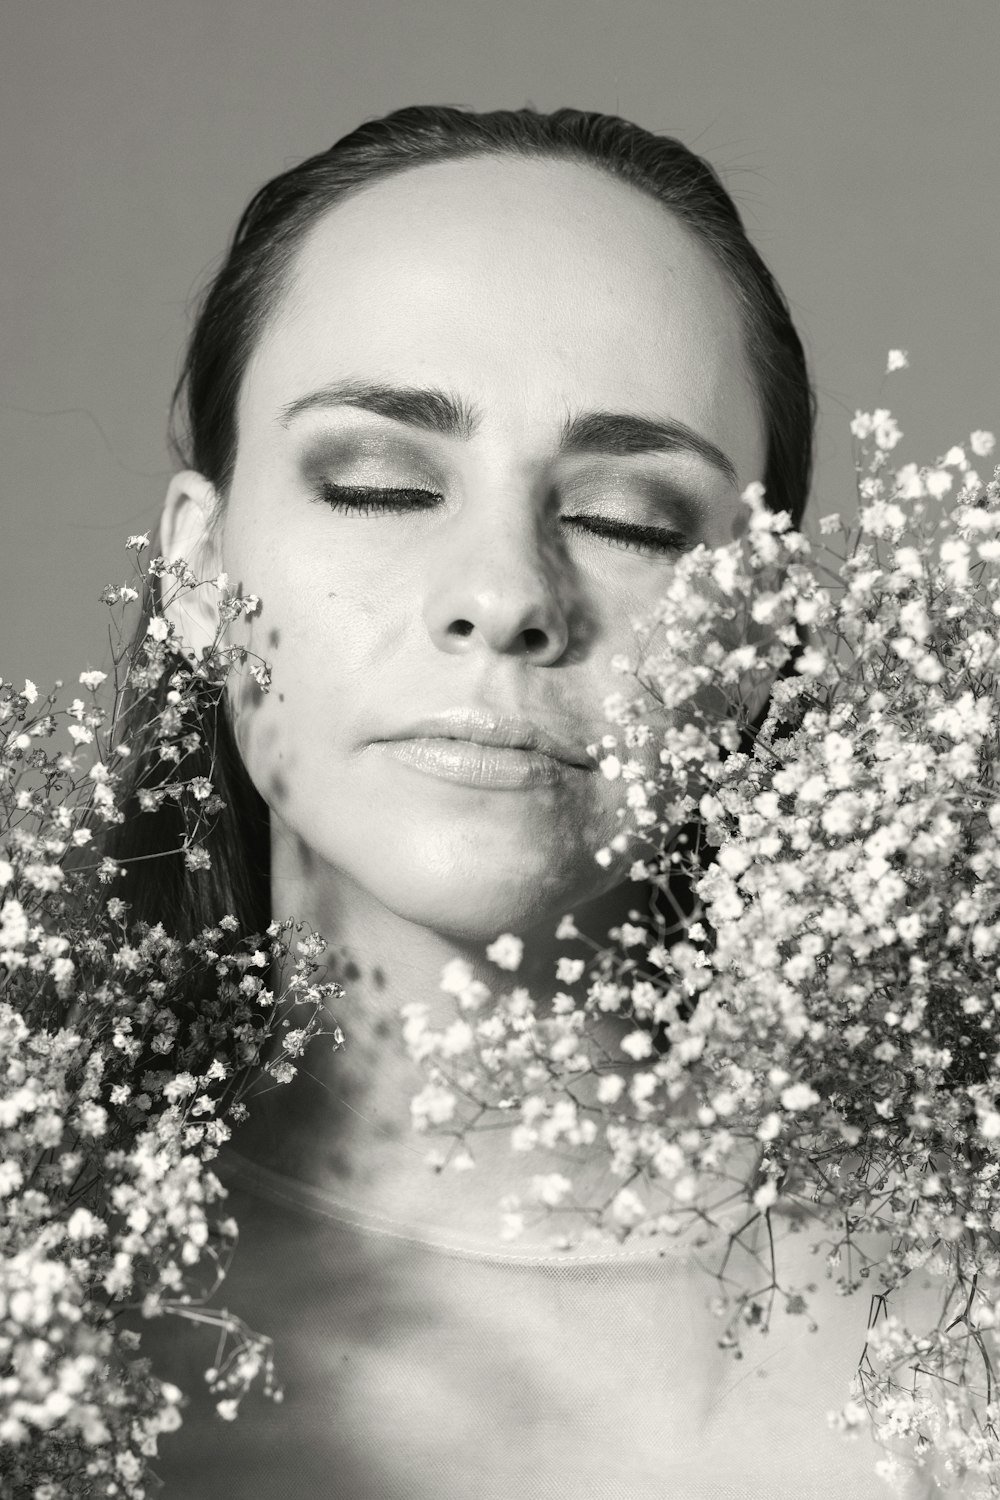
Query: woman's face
x=494 y=400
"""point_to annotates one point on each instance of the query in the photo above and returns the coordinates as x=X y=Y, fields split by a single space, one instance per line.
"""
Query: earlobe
x=186 y=532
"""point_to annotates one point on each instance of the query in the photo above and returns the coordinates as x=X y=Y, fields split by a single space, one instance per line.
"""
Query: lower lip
x=490 y=767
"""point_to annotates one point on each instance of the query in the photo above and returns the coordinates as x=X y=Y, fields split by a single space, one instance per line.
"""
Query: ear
x=185 y=532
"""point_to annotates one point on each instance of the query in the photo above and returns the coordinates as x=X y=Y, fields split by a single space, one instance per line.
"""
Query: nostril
x=535 y=640
x=461 y=627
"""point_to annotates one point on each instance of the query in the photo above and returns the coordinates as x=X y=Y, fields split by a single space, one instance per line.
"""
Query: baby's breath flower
x=938 y=482
x=83 y=1225
x=550 y=1188
x=798 y=1096
x=610 y=1088
x=569 y=970
x=506 y=951
x=456 y=976
x=627 y=1208
x=434 y=1105
x=637 y=1044
x=633 y=936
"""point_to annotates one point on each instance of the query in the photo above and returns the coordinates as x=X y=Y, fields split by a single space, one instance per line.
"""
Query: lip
x=481 y=726
x=482 y=749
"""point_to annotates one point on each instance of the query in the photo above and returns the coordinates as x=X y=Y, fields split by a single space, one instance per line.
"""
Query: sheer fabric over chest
x=424 y=1366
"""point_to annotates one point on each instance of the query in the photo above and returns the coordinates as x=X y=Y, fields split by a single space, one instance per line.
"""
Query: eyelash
x=367 y=500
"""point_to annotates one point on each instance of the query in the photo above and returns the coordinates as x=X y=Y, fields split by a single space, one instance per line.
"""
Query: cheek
x=324 y=649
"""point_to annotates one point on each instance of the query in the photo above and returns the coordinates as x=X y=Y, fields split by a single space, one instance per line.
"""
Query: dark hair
x=233 y=314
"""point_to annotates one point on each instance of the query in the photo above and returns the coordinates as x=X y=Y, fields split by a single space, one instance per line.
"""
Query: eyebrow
x=595 y=432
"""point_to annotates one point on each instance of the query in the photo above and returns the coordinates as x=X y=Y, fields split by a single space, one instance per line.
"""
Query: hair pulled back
x=231 y=320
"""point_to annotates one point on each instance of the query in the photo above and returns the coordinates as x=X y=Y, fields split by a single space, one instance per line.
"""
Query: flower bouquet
x=815 y=1037
x=125 y=1055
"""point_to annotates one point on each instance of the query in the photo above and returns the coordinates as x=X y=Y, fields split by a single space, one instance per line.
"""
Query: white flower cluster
x=116 y=1089
x=823 y=1039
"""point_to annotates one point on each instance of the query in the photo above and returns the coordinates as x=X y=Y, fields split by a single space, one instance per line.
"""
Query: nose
x=499 y=582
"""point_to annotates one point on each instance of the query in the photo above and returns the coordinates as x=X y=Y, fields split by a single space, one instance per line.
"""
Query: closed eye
x=370 y=500
x=367 y=500
x=628 y=534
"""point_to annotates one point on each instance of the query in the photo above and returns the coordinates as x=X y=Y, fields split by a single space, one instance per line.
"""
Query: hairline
x=279 y=270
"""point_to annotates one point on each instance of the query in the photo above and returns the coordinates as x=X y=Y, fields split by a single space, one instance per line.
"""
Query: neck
x=344 y=1124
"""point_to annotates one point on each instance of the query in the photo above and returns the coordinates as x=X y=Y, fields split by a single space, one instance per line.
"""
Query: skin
x=529 y=290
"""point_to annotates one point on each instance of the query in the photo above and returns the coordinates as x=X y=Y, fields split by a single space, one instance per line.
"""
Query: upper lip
x=483 y=726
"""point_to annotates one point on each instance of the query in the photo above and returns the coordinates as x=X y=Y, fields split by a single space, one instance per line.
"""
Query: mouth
x=486 y=750
x=500 y=731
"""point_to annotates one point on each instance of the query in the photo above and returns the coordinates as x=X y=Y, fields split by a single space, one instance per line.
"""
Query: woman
x=464 y=388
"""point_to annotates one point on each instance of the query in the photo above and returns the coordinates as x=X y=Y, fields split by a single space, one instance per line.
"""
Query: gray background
x=861 y=141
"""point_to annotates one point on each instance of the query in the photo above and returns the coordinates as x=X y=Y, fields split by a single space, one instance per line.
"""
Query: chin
x=477 y=908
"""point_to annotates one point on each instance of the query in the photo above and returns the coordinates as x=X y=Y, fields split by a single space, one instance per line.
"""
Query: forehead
x=519 y=283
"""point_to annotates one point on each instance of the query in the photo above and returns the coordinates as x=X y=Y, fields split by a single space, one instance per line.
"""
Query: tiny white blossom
x=909 y=484
x=511 y=1226
x=456 y=976
x=506 y=952
x=434 y=1105
x=765 y=1196
x=632 y=936
x=812 y=662
x=897 y=360
x=569 y=970
x=610 y=1088
x=93 y=679
x=83 y=1225
x=798 y=1096
x=886 y=430
x=938 y=482
x=11 y=1178
x=627 y=1207
x=637 y=1044
x=458 y=1038
x=550 y=1188
x=982 y=443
